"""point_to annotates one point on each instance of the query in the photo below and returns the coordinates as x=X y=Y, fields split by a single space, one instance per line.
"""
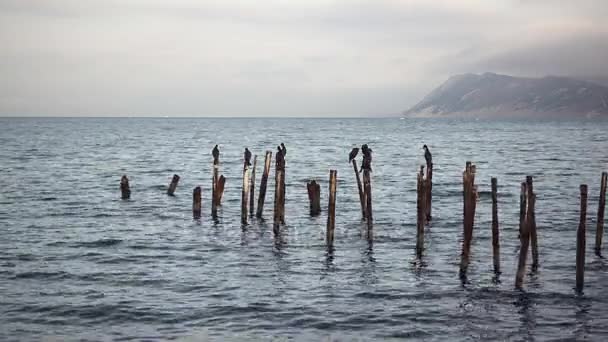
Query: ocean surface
x=79 y=263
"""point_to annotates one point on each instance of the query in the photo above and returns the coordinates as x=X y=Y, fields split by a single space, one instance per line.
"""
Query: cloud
x=316 y=57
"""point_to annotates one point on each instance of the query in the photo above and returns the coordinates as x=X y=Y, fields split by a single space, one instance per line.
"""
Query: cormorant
x=216 y=154
x=280 y=159
x=367 y=158
x=427 y=156
x=247 y=157
x=284 y=149
x=353 y=153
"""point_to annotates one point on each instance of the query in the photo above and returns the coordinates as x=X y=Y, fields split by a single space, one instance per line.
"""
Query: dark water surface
x=76 y=262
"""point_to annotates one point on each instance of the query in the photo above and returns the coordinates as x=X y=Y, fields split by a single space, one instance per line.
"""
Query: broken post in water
x=246 y=185
x=580 y=241
x=214 y=186
x=420 y=212
x=283 y=188
x=173 y=185
x=279 y=191
x=125 y=190
x=331 y=209
x=263 y=184
x=495 y=239
x=523 y=205
x=470 y=199
x=599 y=233
x=196 y=202
x=252 y=186
x=221 y=183
x=532 y=221
x=314 y=196
x=525 y=234
x=351 y=159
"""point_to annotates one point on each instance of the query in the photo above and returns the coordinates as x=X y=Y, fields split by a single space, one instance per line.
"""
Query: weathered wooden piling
x=221 y=183
x=524 y=237
x=495 y=234
x=599 y=233
x=173 y=185
x=360 y=187
x=470 y=199
x=263 y=184
x=532 y=221
x=523 y=205
x=331 y=209
x=580 y=241
x=314 y=197
x=245 y=194
x=214 y=189
x=196 y=202
x=420 y=213
x=252 y=187
x=278 y=193
x=125 y=190
x=367 y=186
x=429 y=191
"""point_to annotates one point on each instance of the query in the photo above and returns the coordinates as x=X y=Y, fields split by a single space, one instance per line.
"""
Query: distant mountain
x=491 y=94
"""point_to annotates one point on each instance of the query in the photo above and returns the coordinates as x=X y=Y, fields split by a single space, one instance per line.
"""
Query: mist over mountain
x=491 y=94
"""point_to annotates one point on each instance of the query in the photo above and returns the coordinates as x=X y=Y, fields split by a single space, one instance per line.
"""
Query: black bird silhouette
x=284 y=149
x=427 y=156
x=247 y=157
x=216 y=155
x=353 y=153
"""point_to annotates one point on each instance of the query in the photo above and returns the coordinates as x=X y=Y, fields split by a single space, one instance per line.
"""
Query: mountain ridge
x=491 y=94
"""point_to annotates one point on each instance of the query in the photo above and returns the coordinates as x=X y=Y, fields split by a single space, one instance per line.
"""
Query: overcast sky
x=278 y=58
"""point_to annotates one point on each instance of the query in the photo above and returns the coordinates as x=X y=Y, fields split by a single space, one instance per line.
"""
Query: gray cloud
x=317 y=57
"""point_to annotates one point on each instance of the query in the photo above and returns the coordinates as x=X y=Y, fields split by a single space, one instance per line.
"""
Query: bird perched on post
x=247 y=157
x=280 y=159
x=353 y=154
x=216 y=155
x=427 y=156
x=367 y=158
x=283 y=149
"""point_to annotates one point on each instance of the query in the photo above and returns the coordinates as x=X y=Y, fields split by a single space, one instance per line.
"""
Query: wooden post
x=214 y=190
x=580 y=241
x=125 y=190
x=420 y=214
x=245 y=195
x=314 y=196
x=495 y=240
x=221 y=183
x=263 y=184
x=525 y=235
x=532 y=221
x=429 y=191
x=523 y=205
x=360 y=187
x=331 y=209
x=599 y=233
x=252 y=188
x=173 y=185
x=196 y=202
x=469 y=195
x=278 y=193
x=367 y=186
x=465 y=191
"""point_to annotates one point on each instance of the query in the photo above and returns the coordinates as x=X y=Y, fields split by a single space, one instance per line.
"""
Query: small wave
x=98 y=243
x=41 y=275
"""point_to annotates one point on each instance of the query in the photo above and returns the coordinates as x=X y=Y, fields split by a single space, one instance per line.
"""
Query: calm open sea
x=79 y=263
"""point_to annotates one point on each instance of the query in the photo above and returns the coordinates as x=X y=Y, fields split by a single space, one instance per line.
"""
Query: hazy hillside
x=491 y=94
